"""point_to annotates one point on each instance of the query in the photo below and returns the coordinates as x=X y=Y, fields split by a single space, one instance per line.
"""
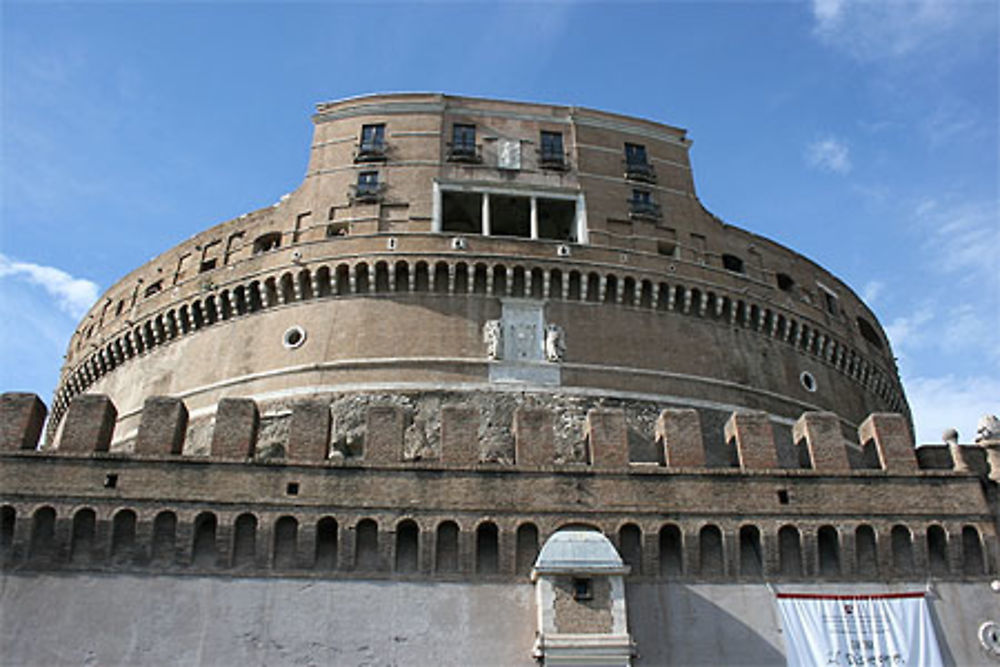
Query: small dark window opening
x=208 y=265
x=553 y=156
x=666 y=248
x=642 y=204
x=336 y=229
x=110 y=480
x=785 y=282
x=463 y=143
x=292 y=489
x=583 y=589
x=510 y=216
x=782 y=497
x=868 y=332
x=462 y=212
x=372 y=146
x=267 y=242
x=153 y=289
x=831 y=302
x=732 y=263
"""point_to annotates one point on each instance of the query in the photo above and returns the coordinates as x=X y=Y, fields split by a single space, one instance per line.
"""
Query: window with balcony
x=641 y=205
x=552 y=155
x=367 y=189
x=372 y=145
x=463 y=143
x=637 y=166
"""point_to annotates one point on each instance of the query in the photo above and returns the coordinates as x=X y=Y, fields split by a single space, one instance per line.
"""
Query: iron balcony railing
x=464 y=152
x=367 y=192
x=371 y=151
x=640 y=171
x=641 y=208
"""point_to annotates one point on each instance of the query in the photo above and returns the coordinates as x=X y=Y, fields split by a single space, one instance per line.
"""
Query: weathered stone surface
x=819 y=432
x=21 y=419
x=459 y=434
x=309 y=431
x=891 y=437
x=384 y=434
x=163 y=425
x=754 y=439
x=534 y=437
x=608 y=437
x=89 y=424
x=678 y=432
x=236 y=424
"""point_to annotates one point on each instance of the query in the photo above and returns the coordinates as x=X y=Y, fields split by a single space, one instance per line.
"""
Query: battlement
x=884 y=440
x=460 y=511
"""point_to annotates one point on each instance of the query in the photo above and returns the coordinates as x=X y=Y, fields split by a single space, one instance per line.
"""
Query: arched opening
x=537 y=290
x=517 y=288
x=421 y=278
x=361 y=279
x=499 y=280
x=446 y=547
x=164 y=537
x=710 y=552
x=402 y=277
x=461 y=278
x=326 y=543
x=628 y=291
x=575 y=286
x=751 y=563
x=204 y=552
x=646 y=294
x=81 y=546
x=323 y=281
x=479 y=279
x=972 y=552
x=671 y=553
x=343 y=278
x=593 y=287
x=287 y=288
x=366 y=546
x=630 y=546
x=43 y=533
x=381 y=277
x=527 y=547
x=902 y=550
x=286 y=543
x=865 y=553
x=441 y=278
x=611 y=289
x=8 y=521
x=407 y=549
x=245 y=541
x=829 y=551
x=790 y=551
x=937 y=550
x=123 y=535
x=487 y=548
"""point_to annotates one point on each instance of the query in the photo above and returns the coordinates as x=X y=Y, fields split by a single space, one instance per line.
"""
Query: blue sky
x=862 y=134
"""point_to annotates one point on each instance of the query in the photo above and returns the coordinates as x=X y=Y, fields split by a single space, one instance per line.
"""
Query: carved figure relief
x=555 y=343
x=493 y=337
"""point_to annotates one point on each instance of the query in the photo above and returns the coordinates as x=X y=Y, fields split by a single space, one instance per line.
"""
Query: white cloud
x=73 y=296
x=963 y=237
x=829 y=154
x=908 y=332
x=886 y=29
x=950 y=401
x=871 y=291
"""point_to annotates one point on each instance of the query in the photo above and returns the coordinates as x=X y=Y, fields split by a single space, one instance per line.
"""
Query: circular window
x=294 y=337
x=808 y=381
x=989 y=637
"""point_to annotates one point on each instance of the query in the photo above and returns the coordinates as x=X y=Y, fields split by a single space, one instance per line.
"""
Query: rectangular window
x=463 y=143
x=372 y=146
x=641 y=204
x=637 y=165
x=367 y=188
x=553 y=156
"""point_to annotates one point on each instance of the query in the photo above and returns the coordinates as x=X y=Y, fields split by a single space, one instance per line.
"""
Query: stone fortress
x=491 y=386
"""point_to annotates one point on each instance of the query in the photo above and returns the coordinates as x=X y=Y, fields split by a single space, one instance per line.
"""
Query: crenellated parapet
x=461 y=511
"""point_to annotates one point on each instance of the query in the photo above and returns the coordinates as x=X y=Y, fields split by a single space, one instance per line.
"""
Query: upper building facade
x=444 y=243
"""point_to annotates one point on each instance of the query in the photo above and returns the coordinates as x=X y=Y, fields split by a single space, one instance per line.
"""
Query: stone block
x=819 y=433
x=162 y=427
x=21 y=418
x=893 y=445
x=754 y=440
x=384 y=434
x=309 y=431
x=89 y=424
x=607 y=436
x=678 y=431
x=534 y=436
x=459 y=434
x=236 y=424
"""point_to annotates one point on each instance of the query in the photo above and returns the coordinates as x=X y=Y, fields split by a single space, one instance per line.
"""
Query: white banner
x=858 y=630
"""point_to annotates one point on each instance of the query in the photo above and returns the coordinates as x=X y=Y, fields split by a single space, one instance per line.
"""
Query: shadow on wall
x=676 y=625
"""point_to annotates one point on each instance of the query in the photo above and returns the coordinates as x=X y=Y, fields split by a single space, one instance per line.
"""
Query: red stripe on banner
x=875 y=596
